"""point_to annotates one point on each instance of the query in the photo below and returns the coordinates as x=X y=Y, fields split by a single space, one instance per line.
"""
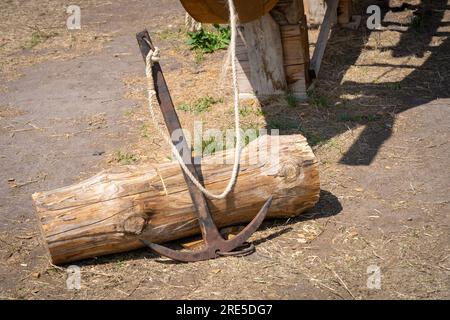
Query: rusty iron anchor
x=215 y=245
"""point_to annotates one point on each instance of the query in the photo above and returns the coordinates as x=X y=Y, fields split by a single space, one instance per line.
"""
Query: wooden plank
x=289 y=24
x=295 y=60
x=261 y=68
x=243 y=68
x=290 y=15
x=315 y=11
x=325 y=29
x=292 y=45
x=344 y=11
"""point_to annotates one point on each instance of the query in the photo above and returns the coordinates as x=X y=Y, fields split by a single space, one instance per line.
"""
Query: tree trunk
x=109 y=212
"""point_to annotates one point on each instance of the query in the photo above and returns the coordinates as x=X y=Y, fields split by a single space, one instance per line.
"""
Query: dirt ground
x=73 y=103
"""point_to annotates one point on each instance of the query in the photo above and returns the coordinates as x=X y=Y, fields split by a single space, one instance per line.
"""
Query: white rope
x=154 y=56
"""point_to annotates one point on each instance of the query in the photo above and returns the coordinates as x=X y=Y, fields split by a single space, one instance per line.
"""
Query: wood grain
x=109 y=212
x=272 y=50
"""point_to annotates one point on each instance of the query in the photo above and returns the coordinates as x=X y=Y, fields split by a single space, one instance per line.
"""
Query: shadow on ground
x=327 y=206
x=374 y=105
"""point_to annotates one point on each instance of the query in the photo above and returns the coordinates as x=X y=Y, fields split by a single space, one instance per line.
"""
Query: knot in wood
x=134 y=225
x=290 y=171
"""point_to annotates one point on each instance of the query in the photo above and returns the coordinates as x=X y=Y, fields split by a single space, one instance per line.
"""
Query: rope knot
x=153 y=56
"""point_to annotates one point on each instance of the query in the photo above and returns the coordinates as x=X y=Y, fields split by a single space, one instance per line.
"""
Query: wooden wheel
x=216 y=11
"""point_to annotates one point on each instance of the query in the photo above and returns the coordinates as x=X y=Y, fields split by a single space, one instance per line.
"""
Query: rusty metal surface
x=215 y=245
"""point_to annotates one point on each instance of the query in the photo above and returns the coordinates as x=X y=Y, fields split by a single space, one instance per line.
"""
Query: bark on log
x=109 y=212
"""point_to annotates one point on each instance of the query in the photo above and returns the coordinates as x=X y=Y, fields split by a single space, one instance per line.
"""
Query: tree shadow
x=327 y=206
x=373 y=104
x=423 y=27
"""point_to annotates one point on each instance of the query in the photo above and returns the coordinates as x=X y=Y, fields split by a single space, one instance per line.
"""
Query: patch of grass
x=245 y=111
x=211 y=146
x=200 y=105
x=393 y=86
x=169 y=35
x=349 y=118
x=251 y=133
x=414 y=234
x=199 y=56
x=128 y=113
x=260 y=112
x=282 y=124
x=38 y=37
x=186 y=107
x=317 y=99
x=333 y=143
x=125 y=158
x=371 y=117
x=209 y=41
x=417 y=24
x=291 y=100
x=315 y=140
x=203 y=104
x=145 y=133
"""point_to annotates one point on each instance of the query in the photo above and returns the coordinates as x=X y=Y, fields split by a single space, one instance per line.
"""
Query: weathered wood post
x=273 y=50
x=273 y=53
x=315 y=11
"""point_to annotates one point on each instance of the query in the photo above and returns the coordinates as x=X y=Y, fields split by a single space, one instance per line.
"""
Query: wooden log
x=109 y=212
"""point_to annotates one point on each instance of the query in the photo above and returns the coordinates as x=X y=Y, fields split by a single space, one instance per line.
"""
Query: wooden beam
x=273 y=53
x=344 y=11
x=329 y=21
x=259 y=53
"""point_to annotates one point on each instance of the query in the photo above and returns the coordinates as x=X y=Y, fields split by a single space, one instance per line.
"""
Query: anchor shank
x=209 y=230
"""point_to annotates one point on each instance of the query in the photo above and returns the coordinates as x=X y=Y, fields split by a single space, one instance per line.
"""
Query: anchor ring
x=243 y=250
